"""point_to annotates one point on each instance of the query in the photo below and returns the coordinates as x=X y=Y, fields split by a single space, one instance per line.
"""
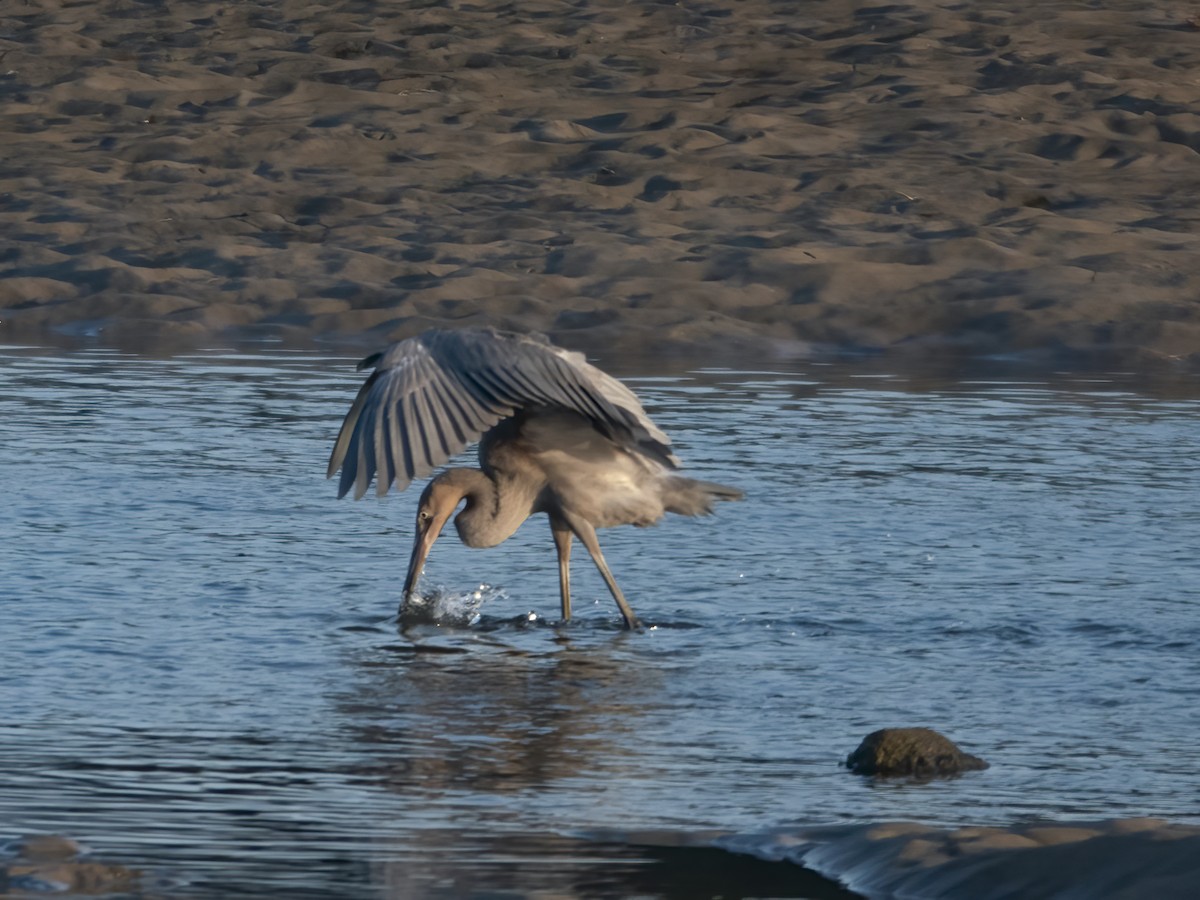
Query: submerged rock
x=919 y=752
x=50 y=863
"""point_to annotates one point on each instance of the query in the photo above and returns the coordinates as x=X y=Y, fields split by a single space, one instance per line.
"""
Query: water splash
x=442 y=607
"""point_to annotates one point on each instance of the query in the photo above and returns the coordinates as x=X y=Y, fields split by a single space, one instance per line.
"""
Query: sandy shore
x=1000 y=179
x=1122 y=859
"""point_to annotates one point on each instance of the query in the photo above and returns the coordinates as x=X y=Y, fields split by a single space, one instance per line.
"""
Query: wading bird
x=556 y=436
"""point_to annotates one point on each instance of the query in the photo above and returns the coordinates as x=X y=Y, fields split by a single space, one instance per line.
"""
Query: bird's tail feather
x=691 y=497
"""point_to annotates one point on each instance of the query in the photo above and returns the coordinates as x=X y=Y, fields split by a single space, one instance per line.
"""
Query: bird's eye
x=424 y=516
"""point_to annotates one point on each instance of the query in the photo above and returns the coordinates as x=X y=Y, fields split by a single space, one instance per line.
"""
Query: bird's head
x=437 y=504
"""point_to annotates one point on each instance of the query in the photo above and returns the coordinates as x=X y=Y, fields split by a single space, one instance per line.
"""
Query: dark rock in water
x=50 y=863
x=919 y=752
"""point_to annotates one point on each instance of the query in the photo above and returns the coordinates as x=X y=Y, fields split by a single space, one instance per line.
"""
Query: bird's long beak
x=422 y=544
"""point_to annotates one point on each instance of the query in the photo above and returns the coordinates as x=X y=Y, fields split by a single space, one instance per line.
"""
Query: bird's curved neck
x=494 y=510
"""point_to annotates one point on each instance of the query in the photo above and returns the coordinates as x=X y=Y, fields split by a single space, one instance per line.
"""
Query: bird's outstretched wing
x=432 y=395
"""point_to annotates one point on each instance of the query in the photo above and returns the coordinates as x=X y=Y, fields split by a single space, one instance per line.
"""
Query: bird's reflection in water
x=508 y=705
x=485 y=734
x=508 y=741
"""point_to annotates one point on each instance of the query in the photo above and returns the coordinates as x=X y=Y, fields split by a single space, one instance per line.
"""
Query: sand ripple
x=1015 y=177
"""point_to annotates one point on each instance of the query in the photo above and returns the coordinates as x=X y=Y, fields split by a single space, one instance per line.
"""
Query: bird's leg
x=586 y=533
x=562 y=542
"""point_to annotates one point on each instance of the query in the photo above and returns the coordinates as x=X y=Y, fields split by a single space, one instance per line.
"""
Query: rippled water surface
x=202 y=674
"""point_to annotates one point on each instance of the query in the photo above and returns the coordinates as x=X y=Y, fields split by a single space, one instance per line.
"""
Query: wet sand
x=1124 y=859
x=921 y=177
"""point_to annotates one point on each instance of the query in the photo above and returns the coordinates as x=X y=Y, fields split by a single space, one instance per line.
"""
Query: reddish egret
x=556 y=435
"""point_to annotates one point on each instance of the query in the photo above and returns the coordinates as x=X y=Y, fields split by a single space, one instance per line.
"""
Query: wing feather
x=423 y=444
x=383 y=457
x=406 y=447
x=449 y=431
x=366 y=458
x=395 y=441
x=462 y=422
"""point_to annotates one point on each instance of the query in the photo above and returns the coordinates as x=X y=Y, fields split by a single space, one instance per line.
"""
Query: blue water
x=202 y=674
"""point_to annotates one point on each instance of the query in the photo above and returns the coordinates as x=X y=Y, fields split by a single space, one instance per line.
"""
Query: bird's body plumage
x=556 y=436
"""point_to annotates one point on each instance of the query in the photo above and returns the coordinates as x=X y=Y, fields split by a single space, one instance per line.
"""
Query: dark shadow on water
x=412 y=649
x=701 y=872
x=420 y=626
x=441 y=612
x=477 y=866
x=578 y=868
